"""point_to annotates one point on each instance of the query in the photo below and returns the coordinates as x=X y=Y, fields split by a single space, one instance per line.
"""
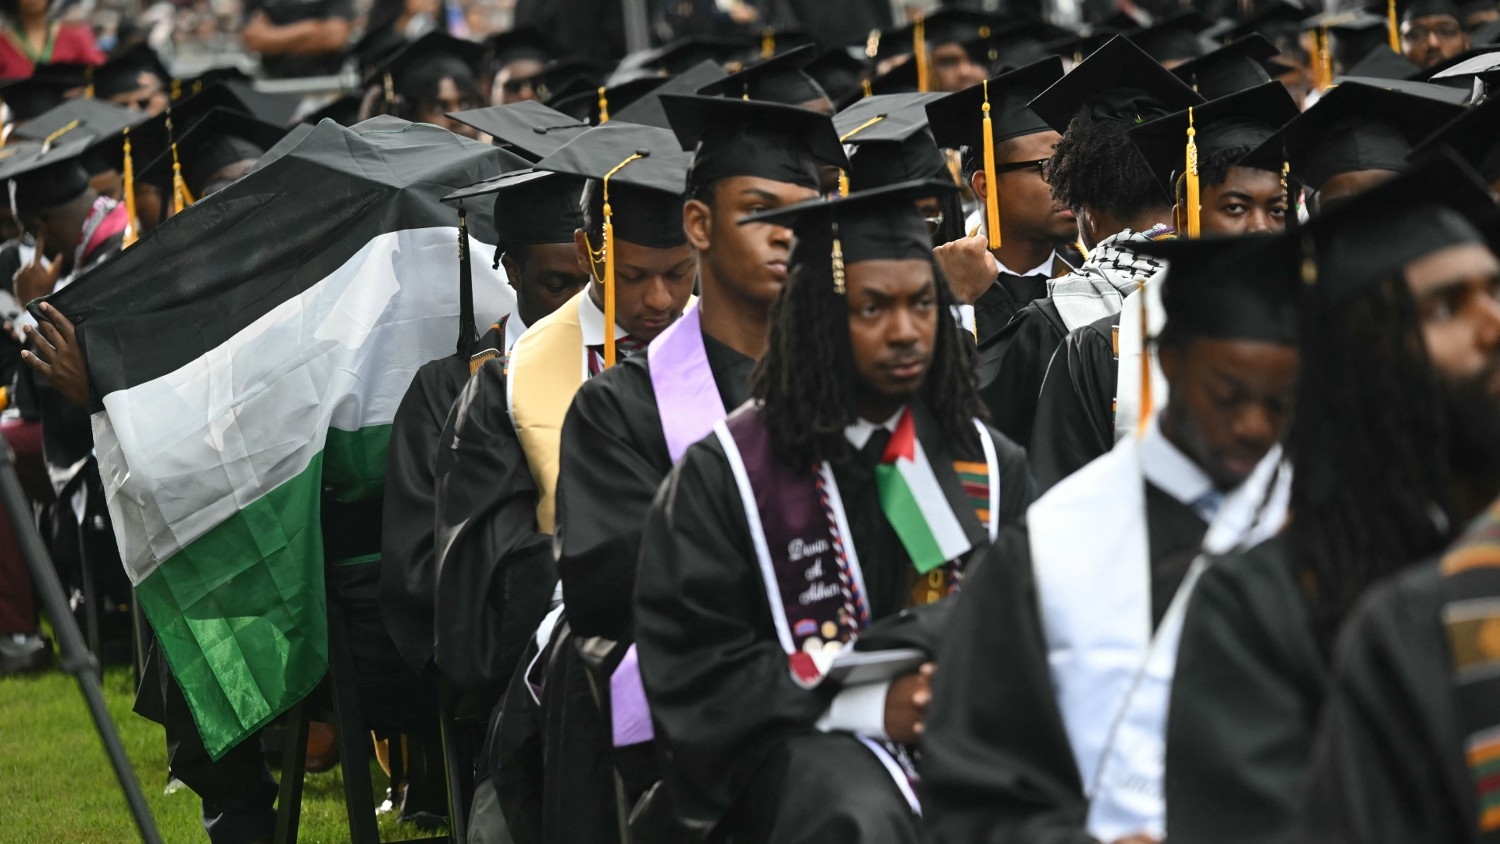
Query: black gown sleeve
x=614 y=457
x=1075 y=411
x=1389 y=764
x=1011 y=367
x=715 y=674
x=1244 y=707
x=996 y=762
x=495 y=575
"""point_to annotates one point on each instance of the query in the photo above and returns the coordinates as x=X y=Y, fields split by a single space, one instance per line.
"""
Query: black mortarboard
x=884 y=117
x=1424 y=90
x=121 y=74
x=569 y=76
x=585 y=104
x=957 y=120
x=1173 y=38
x=645 y=191
x=946 y=26
x=529 y=129
x=901 y=79
x=1243 y=120
x=48 y=86
x=780 y=79
x=839 y=73
x=1414 y=9
x=1384 y=64
x=1230 y=288
x=891 y=142
x=734 y=137
x=777 y=40
x=343 y=110
x=1355 y=34
x=683 y=53
x=1241 y=64
x=1474 y=135
x=436 y=55
x=45 y=176
x=93 y=117
x=1274 y=20
x=1018 y=43
x=150 y=137
x=218 y=139
x=648 y=111
x=523 y=42
x=1438 y=204
x=1482 y=61
x=1076 y=48
x=1353 y=127
x=1118 y=82
x=531 y=206
x=872 y=225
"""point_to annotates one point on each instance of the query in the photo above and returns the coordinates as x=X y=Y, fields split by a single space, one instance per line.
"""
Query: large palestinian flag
x=250 y=353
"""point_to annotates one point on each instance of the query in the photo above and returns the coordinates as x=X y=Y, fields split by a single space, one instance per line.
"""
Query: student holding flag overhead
x=842 y=495
x=1050 y=707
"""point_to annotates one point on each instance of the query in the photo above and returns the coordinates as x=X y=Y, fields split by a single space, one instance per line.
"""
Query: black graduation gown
x=1011 y=366
x=614 y=456
x=1389 y=761
x=997 y=305
x=1245 y=702
x=408 y=561
x=997 y=765
x=721 y=695
x=1075 y=412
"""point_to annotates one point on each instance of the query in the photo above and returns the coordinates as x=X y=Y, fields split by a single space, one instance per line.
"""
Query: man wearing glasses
x=1431 y=33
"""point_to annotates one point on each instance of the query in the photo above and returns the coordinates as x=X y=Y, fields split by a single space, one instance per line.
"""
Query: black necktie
x=875 y=446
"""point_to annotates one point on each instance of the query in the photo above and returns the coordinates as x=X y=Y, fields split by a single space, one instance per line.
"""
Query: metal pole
x=76 y=658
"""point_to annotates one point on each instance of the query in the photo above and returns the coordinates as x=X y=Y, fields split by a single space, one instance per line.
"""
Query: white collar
x=1168 y=469
x=514 y=328
x=860 y=432
x=1044 y=268
x=591 y=320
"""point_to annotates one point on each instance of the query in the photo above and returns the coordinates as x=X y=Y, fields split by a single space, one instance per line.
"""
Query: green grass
x=59 y=786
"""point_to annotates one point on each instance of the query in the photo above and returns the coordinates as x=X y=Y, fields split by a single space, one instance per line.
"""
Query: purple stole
x=688 y=405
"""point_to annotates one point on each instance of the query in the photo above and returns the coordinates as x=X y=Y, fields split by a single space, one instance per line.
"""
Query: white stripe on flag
x=940 y=519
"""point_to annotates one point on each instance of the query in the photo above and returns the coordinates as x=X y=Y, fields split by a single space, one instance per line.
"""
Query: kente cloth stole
x=1471 y=616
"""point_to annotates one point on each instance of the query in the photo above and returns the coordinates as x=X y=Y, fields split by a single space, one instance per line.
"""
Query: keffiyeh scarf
x=1113 y=270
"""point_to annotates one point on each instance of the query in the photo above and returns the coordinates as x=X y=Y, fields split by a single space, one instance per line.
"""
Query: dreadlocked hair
x=1096 y=164
x=1369 y=444
x=805 y=386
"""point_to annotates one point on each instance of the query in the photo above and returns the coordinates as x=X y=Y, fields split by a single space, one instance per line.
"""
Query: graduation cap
x=1474 y=135
x=946 y=26
x=642 y=172
x=42 y=176
x=995 y=110
x=48 y=86
x=735 y=137
x=596 y=106
x=683 y=53
x=648 y=110
x=774 y=41
x=1355 y=244
x=1119 y=82
x=216 y=140
x=1239 y=65
x=343 y=110
x=121 y=74
x=1481 y=62
x=1173 y=38
x=1345 y=38
x=1354 y=126
x=1381 y=63
x=781 y=79
x=1230 y=288
x=890 y=141
x=519 y=44
x=873 y=225
x=1079 y=47
x=1424 y=90
x=839 y=73
x=92 y=117
x=1415 y=9
x=1173 y=145
x=1019 y=43
x=529 y=129
x=414 y=65
x=566 y=77
x=531 y=206
x=1276 y=19
x=901 y=79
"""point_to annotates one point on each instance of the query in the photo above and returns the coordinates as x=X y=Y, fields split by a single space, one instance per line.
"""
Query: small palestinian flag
x=914 y=503
x=251 y=352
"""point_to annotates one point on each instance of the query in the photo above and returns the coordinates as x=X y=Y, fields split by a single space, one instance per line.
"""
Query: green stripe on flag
x=354 y=462
x=905 y=515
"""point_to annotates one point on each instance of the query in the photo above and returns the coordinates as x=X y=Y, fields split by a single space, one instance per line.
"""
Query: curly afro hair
x=1096 y=164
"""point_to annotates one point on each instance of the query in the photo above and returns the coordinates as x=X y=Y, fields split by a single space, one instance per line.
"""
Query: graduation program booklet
x=856 y=668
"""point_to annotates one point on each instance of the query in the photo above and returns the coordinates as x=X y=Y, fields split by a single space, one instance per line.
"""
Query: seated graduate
x=854 y=488
x=1097 y=173
x=1049 y=710
x=627 y=427
x=1396 y=366
x=1082 y=411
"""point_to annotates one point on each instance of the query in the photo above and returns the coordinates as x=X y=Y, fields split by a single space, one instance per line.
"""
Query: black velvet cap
x=1384 y=64
x=839 y=73
x=1438 y=204
x=1018 y=43
x=1119 y=82
x=1242 y=120
x=216 y=140
x=901 y=79
x=957 y=120
x=733 y=137
x=94 y=117
x=648 y=110
x=646 y=194
x=46 y=176
x=1174 y=37
x=1230 y=288
x=433 y=56
x=779 y=79
x=48 y=86
x=529 y=129
x=343 y=110
x=1414 y=9
x=1354 y=127
x=1355 y=34
x=531 y=206
x=884 y=117
x=1239 y=65
x=569 y=76
x=1278 y=18
x=1473 y=135
x=1483 y=62
x=873 y=225
x=121 y=73
x=523 y=42
x=896 y=147
x=1425 y=90
x=945 y=26
x=683 y=53
x=1076 y=48
x=149 y=138
x=584 y=104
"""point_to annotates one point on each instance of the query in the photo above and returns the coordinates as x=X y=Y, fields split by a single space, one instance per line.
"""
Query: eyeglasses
x=1040 y=164
x=1444 y=32
x=934 y=222
x=516 y=86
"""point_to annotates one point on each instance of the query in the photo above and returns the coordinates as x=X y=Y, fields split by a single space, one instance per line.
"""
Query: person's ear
x=979 y=183
x=698 y=223
x=512 y=271
x=581 y=249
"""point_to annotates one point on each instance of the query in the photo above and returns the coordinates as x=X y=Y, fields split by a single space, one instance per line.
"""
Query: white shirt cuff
x=859 y=710
x=966 y=319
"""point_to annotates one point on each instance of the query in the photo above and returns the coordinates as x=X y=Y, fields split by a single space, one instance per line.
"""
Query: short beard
x=1473 y=420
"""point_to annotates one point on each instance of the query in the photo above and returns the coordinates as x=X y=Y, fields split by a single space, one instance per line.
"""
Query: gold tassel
x=1146 y=409
x=919 y=52
x=837 y=262
x=1082 y=250
x=767 y=43
x=390 y=92
x=127 y=178
x=869 y=89
x=610 y=352
x=991 y=179
x=1323 y=69
x=88 y=74
x=176 y=89
x=1194 y=197
x=603 y=107
x=181 y=197
x=843 y=182
x=1393 y=26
